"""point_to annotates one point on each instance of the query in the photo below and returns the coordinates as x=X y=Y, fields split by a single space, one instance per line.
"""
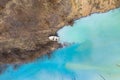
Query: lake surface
x=94 y=54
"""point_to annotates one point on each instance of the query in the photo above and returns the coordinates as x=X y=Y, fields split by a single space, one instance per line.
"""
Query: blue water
x=94 y=54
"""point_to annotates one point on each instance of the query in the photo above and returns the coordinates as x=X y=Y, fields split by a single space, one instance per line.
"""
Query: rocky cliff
x=26 y=24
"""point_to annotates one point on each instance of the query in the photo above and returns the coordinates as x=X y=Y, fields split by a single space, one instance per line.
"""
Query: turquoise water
x=95 y=54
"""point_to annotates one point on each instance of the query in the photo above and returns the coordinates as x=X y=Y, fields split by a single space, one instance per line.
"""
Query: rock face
x=25 y=25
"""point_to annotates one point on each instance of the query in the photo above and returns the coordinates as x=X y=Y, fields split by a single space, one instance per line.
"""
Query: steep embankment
x=26 y=24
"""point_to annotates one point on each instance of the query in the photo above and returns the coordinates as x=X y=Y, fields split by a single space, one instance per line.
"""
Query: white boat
x=54 y=38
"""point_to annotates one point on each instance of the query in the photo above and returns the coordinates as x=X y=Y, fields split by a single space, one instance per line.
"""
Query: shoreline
x=25 y=30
